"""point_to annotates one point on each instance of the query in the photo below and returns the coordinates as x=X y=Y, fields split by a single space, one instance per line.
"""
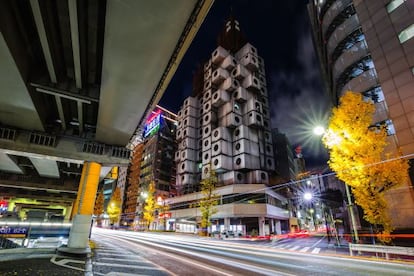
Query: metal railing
x=387 y=250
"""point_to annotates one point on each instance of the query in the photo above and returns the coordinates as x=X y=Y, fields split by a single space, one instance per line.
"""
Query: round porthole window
x=216 y=162
x=238 y=161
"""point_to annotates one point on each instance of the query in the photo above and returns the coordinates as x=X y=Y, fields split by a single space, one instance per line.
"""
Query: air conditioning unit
x=240 y=72
x=188 y=154
x=190 y=101
x=219 y=98
x=207 y=65
x=188 y=143
x=246 y=49
x=206 y=143
x=229 y=63
x=241 y=95
x=230 y=84
x=270 y=163
x=219 y=55
x=208 y=118
x=208 y=74
x=245 y=132
x=221 y=163
x=189 y=132
x=189 y=121
x=206 y=131
x=221 y=147
x=252 y=105
x=207 y=95
x=206 y=157
x=253 y=119
x=190 y=111
x=205 y=171
x=245 y=146
x=246 y=161
x=221 y=133
x=219 y=75
x=250 y=61
x=186 y=179
x=206 y=108
x=187 y=167
x=252 y=83
x=179 y=134
x=232 y=177
x=177 y=156
x=258 y=177
x=231 y=120
x=268 y=137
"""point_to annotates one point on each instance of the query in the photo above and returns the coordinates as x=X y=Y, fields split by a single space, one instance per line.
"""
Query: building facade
x=152 y=160
x=225 y=126
x=368 y=47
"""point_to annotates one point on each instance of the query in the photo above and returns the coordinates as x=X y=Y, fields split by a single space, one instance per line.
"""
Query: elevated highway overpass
x=77 y=80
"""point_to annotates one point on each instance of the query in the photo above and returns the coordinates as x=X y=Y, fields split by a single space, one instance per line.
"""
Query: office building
x=368 y=47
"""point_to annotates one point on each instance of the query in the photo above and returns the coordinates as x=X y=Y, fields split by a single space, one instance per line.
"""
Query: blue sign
x=5 y=230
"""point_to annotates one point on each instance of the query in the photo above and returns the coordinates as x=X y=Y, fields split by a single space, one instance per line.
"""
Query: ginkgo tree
x=99 y=207
x=209 y=200
x=357 y=155
x=114 y=206
x=150 y=205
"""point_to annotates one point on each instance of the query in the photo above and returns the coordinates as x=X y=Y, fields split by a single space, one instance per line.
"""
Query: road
x=170 y=254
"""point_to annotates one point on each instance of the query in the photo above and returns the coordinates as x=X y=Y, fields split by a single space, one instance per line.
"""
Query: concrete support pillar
x=261 y=226
x=83 y=208
x=278 y=227
x=227 y=223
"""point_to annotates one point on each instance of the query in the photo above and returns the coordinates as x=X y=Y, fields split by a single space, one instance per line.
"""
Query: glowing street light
x=308 y=196
x=319 y=130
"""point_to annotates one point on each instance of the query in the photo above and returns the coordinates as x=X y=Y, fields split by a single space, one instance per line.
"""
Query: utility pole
x=351 y=213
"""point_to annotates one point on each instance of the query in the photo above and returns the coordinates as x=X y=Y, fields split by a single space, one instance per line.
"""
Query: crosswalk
x=294 y=247
x=112 y=259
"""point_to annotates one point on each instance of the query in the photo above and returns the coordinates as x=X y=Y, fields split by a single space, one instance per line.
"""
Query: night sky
x=280 y=30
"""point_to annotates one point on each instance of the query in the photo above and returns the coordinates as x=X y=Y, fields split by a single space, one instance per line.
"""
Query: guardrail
x=387 y=250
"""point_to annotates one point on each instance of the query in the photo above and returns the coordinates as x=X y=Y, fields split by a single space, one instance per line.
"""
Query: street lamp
x=333 y=138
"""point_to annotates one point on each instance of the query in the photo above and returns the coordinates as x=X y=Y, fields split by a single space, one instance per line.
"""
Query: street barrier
x=387 y=250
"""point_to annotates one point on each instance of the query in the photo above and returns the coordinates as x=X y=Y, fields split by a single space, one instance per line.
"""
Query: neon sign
x=153 y=123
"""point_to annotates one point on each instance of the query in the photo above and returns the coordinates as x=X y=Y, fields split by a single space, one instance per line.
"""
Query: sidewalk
x=39 y=261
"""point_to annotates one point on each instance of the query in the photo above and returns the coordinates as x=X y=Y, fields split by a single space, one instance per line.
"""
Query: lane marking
x=304 y=249
x=316 y=250
x=129 y=266
x=295 y=247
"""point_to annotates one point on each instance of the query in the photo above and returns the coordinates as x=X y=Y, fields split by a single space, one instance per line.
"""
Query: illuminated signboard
x=153 y=123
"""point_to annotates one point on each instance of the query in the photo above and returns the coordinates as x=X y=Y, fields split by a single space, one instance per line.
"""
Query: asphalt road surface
x=169 y=254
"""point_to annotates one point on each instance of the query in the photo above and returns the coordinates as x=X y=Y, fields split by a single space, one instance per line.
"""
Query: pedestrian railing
x=387 y=250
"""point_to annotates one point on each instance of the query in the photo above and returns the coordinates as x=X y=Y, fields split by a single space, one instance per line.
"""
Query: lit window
x=406 y=34
x=393 y=5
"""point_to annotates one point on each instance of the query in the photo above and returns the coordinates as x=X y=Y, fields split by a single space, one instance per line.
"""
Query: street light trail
x=237 y=259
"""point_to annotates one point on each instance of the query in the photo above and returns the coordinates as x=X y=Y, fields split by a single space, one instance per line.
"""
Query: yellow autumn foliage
x=357 y=156
x=150 y=204
x=114 y=206
x=209 y=201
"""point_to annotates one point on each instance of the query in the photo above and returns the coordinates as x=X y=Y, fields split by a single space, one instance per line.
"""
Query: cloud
x=298 y=100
